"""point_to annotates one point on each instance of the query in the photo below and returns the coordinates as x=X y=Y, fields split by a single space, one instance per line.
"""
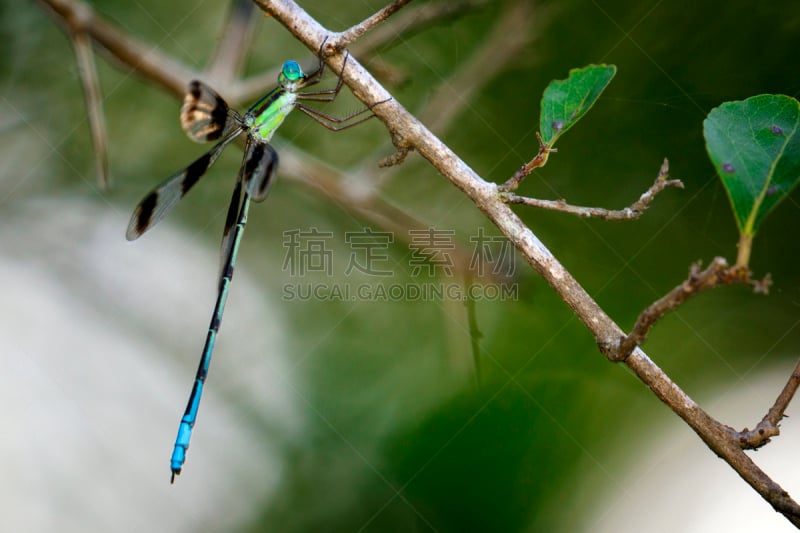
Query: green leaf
x=755 y=147
x=564 y=102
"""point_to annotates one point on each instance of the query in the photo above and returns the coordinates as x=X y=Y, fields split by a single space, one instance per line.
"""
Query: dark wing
x=163 y=198
x=258 y=168
x=259 y=165
x=205 y=116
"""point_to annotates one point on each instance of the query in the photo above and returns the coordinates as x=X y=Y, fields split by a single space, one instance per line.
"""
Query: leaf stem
x=745 y=245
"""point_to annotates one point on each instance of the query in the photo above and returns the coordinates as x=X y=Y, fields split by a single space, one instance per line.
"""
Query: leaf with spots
x=755 y=146
x=564 y=102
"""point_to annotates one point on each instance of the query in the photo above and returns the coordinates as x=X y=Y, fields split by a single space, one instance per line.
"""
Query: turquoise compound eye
x=292 y=71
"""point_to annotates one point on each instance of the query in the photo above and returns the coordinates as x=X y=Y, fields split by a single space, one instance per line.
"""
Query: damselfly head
x=290 y=74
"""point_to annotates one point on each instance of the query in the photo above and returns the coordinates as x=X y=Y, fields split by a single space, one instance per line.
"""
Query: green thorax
x=265 y=116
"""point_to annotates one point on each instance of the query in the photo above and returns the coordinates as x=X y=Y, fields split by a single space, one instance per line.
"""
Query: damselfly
x=205 y=116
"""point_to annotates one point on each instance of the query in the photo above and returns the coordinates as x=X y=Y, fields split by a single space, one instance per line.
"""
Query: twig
x=539 y=160
x=396 y=158
x=504 y=44
x=92 y=96
x=770 y=425
x=631 y=212
x=474 y=332
x=744 y=247
x=413 y=19
x=717 y=273
x=507 y=38
x=77 y=19
x=353 y=33
x=146 y=61
x=234 y=42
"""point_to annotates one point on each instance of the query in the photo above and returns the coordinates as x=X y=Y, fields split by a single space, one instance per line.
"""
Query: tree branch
x=504 y=43
x=404 y=22
x=486 y=197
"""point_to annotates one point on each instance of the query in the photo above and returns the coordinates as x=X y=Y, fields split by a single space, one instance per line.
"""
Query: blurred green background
x=398 y=436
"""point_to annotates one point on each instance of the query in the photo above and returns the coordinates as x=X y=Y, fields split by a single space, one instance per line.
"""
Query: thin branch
x=353 y=33
x=401 y=27
x=87 y=70
x=506 y=40
x=633 y=211
x=413 y=19
x=770 y=424
x=509 y=37
x=234 y=43
x=539 y=160
x=402 y=151
x=145 y=60
x=474 y=332
x=337 y=42
x=717 y=273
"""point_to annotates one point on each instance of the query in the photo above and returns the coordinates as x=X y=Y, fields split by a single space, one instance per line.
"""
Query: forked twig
x=633 y=211
x=717 y=273
x=752 y=439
